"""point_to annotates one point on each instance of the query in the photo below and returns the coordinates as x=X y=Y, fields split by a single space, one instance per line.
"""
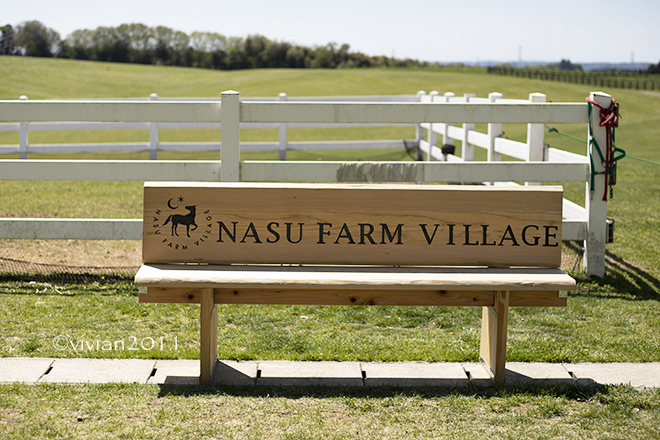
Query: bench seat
x=351 y=285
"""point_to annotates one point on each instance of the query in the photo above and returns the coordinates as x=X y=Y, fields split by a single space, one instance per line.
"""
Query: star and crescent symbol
x=169 y=202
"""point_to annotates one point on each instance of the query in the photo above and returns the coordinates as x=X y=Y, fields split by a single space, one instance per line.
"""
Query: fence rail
x=99 y=120
x=435 y=116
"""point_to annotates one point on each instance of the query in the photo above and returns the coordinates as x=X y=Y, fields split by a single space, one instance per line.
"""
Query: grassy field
x=146 y=412
x=635 y=208
x=614 y=319
x=606 y=321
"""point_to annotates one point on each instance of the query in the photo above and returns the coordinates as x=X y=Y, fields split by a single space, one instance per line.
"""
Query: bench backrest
x=438 y=225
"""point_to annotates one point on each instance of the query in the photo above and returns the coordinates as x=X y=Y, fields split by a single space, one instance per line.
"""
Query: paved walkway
x=287 y=373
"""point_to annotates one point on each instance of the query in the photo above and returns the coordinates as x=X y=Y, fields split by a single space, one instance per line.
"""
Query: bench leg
x=208 y=320
x=493 y=337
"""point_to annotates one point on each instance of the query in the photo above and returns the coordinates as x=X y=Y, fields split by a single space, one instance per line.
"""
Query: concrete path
x=288 y=373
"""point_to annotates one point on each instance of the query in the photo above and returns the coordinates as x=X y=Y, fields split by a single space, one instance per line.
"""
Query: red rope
x=609 y=120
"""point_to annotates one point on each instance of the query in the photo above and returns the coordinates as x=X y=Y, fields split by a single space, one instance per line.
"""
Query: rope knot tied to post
x=609 y=119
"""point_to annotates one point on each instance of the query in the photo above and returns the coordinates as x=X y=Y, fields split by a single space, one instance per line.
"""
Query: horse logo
x=178 y=219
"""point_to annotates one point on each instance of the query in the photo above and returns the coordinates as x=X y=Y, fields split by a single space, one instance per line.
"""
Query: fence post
x=596 y=207
x=494 y=131
x=419 y=136
x=282 y=132
x=445 y=130
x=23 y=135
x=153 y=134
x=468 y=149
x=230 y=137
x=432 y=136
x=535 y=137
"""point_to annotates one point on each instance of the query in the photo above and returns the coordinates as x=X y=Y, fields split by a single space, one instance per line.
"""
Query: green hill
x=636 y=207
x=48 y=78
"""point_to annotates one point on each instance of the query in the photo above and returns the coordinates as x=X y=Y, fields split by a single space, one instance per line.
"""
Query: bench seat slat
x=345 y=297
x=338 y=277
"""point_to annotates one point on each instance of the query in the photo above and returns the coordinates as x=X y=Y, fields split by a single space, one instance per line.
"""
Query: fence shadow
x=622 y=280
x=19 y=270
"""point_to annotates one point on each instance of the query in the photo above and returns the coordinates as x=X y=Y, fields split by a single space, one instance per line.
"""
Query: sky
x=471 y=31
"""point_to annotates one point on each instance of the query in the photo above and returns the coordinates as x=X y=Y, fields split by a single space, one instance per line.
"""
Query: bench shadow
x=573 y=391
x=228 y=380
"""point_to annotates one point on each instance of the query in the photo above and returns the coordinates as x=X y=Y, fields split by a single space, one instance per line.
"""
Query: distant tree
x=208 y=50
x=138 y=43
x=79 y=45
x=653 y=69
x=324 y=57
x=164 y=37
x=236 y=56
x=143 y=42
x=358 y=59
x=180 y=54
x=110 y=45
x=7 y=41
x=567 y=65
x=342 y=55
x=297 y=57
x=275 y=54
x=36 y=40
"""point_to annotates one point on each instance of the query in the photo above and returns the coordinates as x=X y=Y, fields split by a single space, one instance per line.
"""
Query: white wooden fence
x=154 y=145
x=436 y=115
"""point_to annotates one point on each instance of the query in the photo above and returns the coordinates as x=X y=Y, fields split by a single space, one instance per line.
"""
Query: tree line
x=641 y=80
x=138 y=43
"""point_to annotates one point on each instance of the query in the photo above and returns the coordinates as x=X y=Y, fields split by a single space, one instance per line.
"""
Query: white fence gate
x=436 y=116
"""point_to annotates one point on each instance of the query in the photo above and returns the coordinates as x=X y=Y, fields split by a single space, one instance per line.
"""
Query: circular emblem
x=180 y=224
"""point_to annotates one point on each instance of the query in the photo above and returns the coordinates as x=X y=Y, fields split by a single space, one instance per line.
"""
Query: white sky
x=458 y=30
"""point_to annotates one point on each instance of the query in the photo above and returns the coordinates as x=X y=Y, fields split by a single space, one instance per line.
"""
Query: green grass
x=613 y=319
x=145 y=411
x=635 y=208
x=36 y=78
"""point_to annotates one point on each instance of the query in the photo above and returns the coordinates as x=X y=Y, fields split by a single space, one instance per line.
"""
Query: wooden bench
x=338 y=244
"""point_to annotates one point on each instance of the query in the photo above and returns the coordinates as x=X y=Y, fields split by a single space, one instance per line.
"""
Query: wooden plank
x=171 y=295
x=110 y=111
x=393 y=278
x=348 y=297
x=478 y=139
x=109 y=170
x=555 y=155
x=68 y=228
x=595 y=199
x=343 y=296
x=208 y=321
x=548 y=298
x=493 y=337
x=414 y=112
x=230 y=138
x=355 y=297
x=413 y=172
x=339 y=277
x=511 y=148
x=573 y=211
x=574 y=230
x=274 y=171
x=352 y=224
